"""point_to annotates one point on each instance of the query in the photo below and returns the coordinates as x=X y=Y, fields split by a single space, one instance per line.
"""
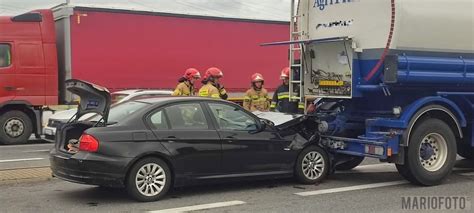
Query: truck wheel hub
x=14 y=127
x=426 y=151
x=433 y=152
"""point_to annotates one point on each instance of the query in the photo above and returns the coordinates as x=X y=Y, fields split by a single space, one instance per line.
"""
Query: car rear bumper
x=89 y=168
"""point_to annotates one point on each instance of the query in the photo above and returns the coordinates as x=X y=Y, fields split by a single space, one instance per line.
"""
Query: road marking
x=383 y=168
x=17 y=160
x=351 y=188
x=39 y=150
x=40 y=145
x=201 y=207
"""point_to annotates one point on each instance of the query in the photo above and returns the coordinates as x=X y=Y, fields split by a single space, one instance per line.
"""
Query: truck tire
x=312 y=165
x=348 y=165
x=431 y=153
x=465 y=150
x=15 y=127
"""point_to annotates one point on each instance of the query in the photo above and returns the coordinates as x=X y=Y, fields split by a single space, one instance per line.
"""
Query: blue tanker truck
x=392 y=79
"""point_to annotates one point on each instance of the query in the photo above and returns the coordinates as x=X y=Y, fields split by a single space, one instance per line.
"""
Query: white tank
x=360 y=34
x=421 y=25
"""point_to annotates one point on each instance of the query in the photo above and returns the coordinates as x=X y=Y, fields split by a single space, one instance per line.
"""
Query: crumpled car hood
x=281 y=120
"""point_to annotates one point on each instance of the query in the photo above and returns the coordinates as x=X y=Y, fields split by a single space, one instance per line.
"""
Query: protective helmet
x=192 y=73
x=257 y=77
x=285 y=73
x=214 y=72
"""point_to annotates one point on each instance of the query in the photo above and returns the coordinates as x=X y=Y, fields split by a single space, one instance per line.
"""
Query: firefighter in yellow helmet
x=256 y=98
x=211 y=85
x=186 y=83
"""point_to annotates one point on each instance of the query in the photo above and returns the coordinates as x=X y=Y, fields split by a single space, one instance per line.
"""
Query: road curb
x=24 y=175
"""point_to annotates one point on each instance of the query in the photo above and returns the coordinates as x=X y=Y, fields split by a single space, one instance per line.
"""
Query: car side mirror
x=267 y=122
x=260 y=127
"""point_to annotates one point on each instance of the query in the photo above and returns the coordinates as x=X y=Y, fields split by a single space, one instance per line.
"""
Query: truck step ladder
x=296 y=65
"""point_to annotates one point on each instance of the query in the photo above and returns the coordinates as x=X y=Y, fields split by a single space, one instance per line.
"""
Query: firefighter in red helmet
x=186 y=83
x=281 y=98
x=211 y=84
x=256 y=98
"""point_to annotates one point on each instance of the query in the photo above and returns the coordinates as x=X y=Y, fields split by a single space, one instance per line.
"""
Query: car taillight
x=88 y=143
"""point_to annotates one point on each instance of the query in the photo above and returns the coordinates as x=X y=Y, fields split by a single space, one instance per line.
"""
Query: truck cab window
x=5 y=55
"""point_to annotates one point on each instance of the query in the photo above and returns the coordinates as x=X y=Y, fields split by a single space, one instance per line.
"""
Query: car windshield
x=116 y=97
x=120 y=111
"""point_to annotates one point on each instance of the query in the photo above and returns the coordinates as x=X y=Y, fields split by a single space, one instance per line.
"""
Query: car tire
x=312 y=165
x=148 y=180
x=348 y=165
x=431 y=135
x=15 y=127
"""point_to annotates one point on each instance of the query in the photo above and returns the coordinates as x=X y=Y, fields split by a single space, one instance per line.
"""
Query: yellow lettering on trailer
x=331 y=83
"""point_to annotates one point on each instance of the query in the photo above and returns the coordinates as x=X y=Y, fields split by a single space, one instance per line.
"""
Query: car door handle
x=230 y=139
x=171 y=139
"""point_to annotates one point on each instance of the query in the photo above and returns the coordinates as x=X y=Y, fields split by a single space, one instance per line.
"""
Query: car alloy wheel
x=150 y=179
x=313 y=165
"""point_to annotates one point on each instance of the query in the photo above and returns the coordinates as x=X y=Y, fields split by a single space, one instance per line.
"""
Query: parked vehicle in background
x=150 y=145
x=395 y=85
x=41 y=49
x=62 y=117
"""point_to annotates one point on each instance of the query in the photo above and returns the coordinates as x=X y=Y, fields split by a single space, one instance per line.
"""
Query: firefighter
x=281 y=98
x=256 y=98
x=211 y=84
x=186 y=83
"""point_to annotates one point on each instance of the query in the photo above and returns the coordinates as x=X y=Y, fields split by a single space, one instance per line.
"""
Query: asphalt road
x=371 y=187
x=33 y=154
x=352 y=191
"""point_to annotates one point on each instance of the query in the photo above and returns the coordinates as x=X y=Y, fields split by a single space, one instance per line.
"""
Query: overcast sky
x=257 y=9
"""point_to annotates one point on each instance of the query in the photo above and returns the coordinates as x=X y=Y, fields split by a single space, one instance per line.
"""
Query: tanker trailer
x=394 y=80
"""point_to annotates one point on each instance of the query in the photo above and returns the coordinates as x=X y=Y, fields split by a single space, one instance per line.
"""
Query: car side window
x=232 y=118
x=5 y=55
x=186 y=116
x=158 y=120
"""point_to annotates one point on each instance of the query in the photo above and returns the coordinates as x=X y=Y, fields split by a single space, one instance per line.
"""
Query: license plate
x=48 y=132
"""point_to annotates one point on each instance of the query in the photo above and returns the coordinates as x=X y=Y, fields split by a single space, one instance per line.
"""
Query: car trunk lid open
x=93 y=99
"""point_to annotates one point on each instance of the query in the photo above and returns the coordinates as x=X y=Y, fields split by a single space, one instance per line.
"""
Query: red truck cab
x=28 y=73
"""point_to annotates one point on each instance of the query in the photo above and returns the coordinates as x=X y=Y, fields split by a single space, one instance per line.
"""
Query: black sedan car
x=150 y=145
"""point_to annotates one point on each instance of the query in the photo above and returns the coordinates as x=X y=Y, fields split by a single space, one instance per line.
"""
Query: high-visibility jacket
x=209 y=90
x=257 y=100
x=281 y=101
x=184 y=89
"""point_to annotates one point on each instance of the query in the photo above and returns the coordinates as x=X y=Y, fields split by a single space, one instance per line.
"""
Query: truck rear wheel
x=15 y=127
x=431 y=153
